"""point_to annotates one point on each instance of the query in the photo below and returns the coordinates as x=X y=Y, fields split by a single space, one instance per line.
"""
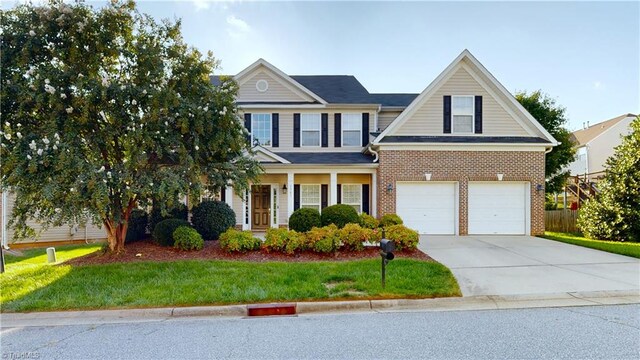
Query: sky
x=585 y=55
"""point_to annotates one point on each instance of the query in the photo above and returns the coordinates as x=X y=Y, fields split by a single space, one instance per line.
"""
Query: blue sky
x=584 y=54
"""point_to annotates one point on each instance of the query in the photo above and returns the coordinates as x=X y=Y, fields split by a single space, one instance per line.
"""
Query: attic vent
x=262 y=85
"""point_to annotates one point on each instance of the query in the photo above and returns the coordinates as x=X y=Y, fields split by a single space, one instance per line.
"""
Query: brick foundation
x=462 y=166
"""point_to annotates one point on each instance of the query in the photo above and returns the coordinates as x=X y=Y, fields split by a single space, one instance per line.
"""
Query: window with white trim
x=351 y=129
x=462 y=114
x=352 y=195
x=310 y=196
x=261 y=129
x=310 y=130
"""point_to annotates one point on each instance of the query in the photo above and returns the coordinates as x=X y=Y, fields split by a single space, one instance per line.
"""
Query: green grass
x=616 y=247
x=31 y=285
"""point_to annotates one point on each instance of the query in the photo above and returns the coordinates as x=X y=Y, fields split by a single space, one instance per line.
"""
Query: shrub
x=368 y=222
x=304 y=219
x=163 y=232
x=353 y=235
x=137 y=228
x=212 y=218
x=402 y=236
x=390 y=219
x=325 y=239
x=339 y=215
x=187 y=238
x=283 y=240
x=180 y=211
x=234 y=240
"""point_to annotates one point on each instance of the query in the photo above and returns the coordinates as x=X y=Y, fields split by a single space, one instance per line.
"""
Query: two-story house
x=462 y=157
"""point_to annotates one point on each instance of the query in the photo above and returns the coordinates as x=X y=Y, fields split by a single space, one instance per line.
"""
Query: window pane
x=462 y=124
x=310 y=138
x=261 y=129
x=310 y=122
x=352 y=122
x=352 y=195
x=310 y=195
x=351 y=138
x=462 y=105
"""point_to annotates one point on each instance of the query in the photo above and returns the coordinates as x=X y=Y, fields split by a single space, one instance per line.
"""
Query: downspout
x=5 y=241
x=375 y=153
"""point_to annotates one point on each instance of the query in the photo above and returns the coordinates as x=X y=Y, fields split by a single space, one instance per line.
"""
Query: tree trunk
x=116 y=234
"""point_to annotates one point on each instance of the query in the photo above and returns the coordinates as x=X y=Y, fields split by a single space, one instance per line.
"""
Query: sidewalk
x=10 y=320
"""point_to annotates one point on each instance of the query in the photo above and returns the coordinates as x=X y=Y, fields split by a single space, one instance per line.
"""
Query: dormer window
x=462 y=114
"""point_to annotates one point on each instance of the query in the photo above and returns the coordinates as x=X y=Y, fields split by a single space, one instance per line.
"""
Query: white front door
x=428 y=207
x=498 y=207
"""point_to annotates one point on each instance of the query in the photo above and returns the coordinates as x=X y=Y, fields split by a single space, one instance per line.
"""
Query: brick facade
x=462 y=166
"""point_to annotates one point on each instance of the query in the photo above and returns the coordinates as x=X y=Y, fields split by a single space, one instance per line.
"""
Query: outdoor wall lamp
x=284 y=189
x=427 y=176
x=539 y=187
x=500 y=176
x=389 y=188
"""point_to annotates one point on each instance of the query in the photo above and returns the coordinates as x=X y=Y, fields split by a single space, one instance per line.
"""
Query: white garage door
x=498 y=207
x=428 y=208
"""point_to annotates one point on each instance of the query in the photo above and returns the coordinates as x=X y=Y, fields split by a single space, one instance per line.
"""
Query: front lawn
x=616 y=247
x=31 y=285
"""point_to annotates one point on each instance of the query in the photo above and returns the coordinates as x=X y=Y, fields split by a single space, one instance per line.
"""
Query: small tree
x=106 y=109
x=552 y=118
x=615 y=213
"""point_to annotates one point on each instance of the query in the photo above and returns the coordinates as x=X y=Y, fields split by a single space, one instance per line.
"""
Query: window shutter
x=337 y=130
x=223 y=194
x=339 y=194
x=296 y=130
x=275 y=130
x=296 y=196
x=365 y=129
x=247 y=124
x=325 y=129
x=478 y=115
x=324 y=189
x=447 y=114
x=365 y=198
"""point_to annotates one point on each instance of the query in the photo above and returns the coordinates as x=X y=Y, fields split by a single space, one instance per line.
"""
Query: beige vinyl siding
x=354 y=179
x=427 y=120
x=286 y=129
x=278 y=91
x=386 y=117
x=602 y=147
x=54 y=233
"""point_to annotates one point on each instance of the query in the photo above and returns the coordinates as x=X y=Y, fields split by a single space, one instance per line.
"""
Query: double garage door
x=493 y=207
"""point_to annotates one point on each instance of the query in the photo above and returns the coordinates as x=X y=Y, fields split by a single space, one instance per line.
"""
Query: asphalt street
x=591 y=332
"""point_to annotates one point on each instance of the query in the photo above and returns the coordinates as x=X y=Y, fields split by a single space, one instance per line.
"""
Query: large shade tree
x=105 y=109
x=552 y=117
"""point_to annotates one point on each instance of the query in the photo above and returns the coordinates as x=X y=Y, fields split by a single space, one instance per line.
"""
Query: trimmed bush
x=339 y=215
x=368 y=222
x=234 y=240
x=402 y=236
x=137 y=227
x=212 y=218
x=304 y=219
x=324 y=240
x=353 y=235
x=283 y=240
x=187 y=238
x=390 y=219
x=163 y=232
x=180 y=211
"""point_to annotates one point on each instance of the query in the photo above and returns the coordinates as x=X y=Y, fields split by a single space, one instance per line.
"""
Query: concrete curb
x=8 y=320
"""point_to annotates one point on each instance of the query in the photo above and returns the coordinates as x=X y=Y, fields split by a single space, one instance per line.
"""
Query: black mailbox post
x=387 y=247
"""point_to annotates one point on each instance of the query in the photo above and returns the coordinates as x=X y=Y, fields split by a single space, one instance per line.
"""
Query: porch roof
x=326 y=158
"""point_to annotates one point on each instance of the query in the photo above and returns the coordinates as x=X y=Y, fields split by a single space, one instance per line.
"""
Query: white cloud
x=201 y=4
x=237 y=27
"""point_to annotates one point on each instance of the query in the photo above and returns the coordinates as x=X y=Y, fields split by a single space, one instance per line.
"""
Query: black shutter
x=296 y=130
x=324 y=189
x=478 y=120
x=339 y=194
x=223 y=194
x=365 y=198
x=447 y=114
x=296 y=196
x=247 y=124
x=337 y=131
x=325 y=130
x=365 y=129
x=275 y=129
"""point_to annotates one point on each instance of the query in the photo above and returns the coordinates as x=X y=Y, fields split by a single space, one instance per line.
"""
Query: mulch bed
x=150 y=251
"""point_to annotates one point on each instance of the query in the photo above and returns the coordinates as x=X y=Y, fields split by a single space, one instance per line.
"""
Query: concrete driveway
x=518 y=265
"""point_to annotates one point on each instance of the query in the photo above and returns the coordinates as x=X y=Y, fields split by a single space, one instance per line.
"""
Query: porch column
x=228 y=195
x=289 y=194
x=5 y=241
x=333 y=188
x=374 y=195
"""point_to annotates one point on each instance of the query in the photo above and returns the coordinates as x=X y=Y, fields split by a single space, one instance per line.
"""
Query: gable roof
x=336 y=89
x=583 y=136
x=519 y=113
x=401 y=100
x=265 y=156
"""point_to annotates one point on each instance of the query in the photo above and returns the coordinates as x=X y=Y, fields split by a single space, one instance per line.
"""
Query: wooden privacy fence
x=561 y=220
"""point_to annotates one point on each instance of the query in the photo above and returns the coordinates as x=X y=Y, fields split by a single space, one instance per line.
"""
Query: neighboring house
x=595 y=144
x=462 y=157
